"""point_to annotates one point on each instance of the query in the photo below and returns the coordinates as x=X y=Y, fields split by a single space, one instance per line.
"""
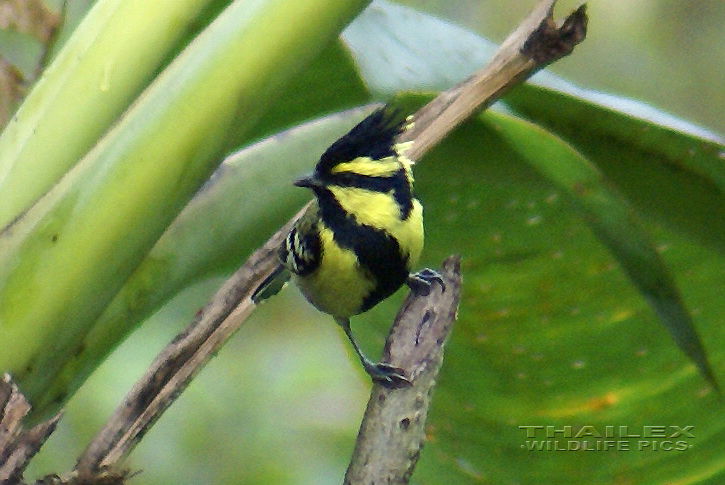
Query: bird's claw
x=421 y=281
x=386 y=374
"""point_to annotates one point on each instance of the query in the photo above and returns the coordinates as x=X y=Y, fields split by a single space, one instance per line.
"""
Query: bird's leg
x=421 y=281
x=384 y=373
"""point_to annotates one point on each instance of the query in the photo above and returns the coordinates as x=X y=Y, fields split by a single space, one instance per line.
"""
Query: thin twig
x=18 y=445
x=535 y=43
x=180 y=361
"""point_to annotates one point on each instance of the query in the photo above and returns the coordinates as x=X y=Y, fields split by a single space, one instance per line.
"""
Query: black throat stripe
x=376 y=250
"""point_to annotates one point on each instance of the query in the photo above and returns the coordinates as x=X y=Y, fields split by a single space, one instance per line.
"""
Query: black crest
x=373 y=137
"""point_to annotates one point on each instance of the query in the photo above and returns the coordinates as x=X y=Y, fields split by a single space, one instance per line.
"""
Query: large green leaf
x=671 y=170
x=220 y=227
x=614 y=222
x=550 y=333
x=78 y=244
x=634 y=144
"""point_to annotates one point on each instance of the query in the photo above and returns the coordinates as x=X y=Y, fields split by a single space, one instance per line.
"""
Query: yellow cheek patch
x=371 y=208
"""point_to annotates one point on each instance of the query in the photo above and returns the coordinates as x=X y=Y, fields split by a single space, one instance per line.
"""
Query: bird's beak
x=310 y=181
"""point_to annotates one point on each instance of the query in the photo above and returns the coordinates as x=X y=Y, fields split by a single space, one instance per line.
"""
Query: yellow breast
x=338 y=286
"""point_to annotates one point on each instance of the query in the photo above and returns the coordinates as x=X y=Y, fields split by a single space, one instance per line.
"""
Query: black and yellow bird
x=360 y=237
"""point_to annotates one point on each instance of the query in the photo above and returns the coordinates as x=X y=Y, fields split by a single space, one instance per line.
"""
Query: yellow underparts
x=338 y=286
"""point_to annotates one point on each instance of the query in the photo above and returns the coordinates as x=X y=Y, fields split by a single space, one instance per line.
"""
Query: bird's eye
x=346 y=178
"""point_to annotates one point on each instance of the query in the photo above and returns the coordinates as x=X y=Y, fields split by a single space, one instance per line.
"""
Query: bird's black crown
x=373 y=137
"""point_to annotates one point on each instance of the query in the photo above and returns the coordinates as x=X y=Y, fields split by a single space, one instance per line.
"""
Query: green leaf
x=550 y=332
x=589 y=124
x=76 y=247
x=670 y=169
x=613 y=221
x=111 y=57
x=224 y=222
x=400 y=49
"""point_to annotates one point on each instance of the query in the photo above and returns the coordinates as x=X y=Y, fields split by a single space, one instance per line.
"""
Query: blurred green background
x=669 y=54
x=281 y=404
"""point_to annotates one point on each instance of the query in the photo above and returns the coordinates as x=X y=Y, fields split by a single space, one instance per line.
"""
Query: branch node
x=18 y=445
x=549 y=42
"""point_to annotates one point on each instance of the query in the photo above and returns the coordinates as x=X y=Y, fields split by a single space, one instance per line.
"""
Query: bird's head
x=367 y=157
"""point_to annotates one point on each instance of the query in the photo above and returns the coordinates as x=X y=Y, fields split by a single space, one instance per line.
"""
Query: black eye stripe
x=369 y=182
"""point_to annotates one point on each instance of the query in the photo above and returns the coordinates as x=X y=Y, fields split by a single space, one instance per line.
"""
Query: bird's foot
x=386 y=374
x=421 y=281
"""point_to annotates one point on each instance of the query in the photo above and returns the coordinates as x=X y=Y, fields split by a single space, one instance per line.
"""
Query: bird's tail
x=271 y=285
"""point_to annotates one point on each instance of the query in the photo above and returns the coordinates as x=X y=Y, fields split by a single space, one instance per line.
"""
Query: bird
x=362 y=234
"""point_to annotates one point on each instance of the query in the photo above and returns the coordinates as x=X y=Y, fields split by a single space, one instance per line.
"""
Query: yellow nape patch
x=338 y=287
x=385 y=167
x=401 y=148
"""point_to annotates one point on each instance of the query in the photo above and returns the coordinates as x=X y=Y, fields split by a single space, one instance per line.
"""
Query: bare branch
x=393 y=428
x=18 y=446
x=535 y=43
x=180 y=361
